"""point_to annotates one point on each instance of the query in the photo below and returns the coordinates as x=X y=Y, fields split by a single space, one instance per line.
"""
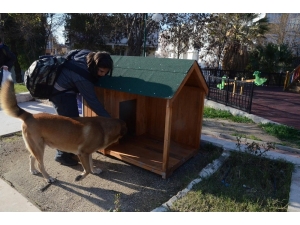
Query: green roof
x=154 y=77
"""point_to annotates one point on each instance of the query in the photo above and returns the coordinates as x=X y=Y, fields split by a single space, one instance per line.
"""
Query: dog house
x=161 y=100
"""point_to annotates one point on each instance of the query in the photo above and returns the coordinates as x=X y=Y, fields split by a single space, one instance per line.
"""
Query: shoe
x=66 y=160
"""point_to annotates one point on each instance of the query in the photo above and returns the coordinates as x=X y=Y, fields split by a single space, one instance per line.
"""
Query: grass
x=244 y=183
x=251 y=137
x=223 y=114
x=288 y=136
x=284 y=133
x=20 y=87
x=11 y=137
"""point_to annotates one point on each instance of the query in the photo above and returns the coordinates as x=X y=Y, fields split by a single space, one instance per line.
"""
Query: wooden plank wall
x=155 y=116
x=187 y=116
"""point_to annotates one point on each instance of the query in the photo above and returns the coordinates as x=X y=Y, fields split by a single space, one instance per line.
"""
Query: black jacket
x=84 y=84
x=7 y=58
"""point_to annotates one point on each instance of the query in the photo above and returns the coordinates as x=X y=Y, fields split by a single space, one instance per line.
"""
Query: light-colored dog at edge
x=81 y=135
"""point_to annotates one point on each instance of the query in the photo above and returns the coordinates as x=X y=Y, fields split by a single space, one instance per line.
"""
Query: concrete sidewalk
x=12 y=201
x=10 y=125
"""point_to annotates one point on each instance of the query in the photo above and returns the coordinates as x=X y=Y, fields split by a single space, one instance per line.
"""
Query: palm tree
x=245 y=30
x=230 y=34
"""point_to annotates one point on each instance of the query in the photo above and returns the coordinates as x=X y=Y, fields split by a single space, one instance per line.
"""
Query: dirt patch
x=222 y=128
x=138 y=189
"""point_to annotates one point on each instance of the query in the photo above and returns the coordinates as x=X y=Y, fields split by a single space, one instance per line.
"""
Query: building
x=53 y=48
x=285 y=28
x=120 y=47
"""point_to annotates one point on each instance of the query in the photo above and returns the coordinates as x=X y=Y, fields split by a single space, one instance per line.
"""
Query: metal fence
x=273 y=79
x=230 y=92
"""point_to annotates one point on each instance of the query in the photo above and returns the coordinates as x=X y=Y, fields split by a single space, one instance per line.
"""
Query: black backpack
x=41 y=76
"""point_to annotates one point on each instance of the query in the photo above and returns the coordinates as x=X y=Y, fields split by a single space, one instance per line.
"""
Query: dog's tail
x=9 y=102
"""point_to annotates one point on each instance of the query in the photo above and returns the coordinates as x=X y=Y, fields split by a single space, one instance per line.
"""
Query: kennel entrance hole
x=127 y=113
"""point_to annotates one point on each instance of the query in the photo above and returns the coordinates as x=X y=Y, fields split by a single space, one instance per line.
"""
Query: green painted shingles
x=148 y=63
x=154 y=77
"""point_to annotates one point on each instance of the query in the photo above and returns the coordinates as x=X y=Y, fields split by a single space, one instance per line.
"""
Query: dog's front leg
x=94 y=170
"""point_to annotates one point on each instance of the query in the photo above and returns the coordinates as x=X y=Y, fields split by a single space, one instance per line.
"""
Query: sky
x=60 y=36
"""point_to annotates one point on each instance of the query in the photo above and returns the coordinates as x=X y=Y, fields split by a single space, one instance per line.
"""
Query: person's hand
x=5 y=67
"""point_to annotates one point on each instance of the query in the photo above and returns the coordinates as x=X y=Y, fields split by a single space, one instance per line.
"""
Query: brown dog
x=81 y=136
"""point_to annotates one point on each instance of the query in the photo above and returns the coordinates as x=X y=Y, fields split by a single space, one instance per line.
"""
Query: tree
x=215 y=39
x=94 y=31
x=182 y=30
x=87 y=30
x=272 y=58
x=54 y=21
x=133 y=27
x=285 y=29
x=25 y=34
x=229 y=35
x=278 y=29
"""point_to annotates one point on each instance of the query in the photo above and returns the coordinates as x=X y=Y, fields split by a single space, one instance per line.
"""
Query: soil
x=121 y=186
x=225 y=128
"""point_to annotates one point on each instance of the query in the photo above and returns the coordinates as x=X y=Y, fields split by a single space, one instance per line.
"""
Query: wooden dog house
x=161 y=100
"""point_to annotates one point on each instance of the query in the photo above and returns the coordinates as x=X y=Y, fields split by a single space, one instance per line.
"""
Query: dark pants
x=65 y=104
x=1 y=76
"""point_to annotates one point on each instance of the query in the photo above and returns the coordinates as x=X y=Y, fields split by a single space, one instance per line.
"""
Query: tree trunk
x=17 y=67
x=19 y=78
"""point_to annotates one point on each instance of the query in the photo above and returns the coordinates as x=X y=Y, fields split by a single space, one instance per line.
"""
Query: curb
x=24 y=97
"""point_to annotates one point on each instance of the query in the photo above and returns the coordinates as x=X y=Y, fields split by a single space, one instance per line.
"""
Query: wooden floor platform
x=147 y=152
